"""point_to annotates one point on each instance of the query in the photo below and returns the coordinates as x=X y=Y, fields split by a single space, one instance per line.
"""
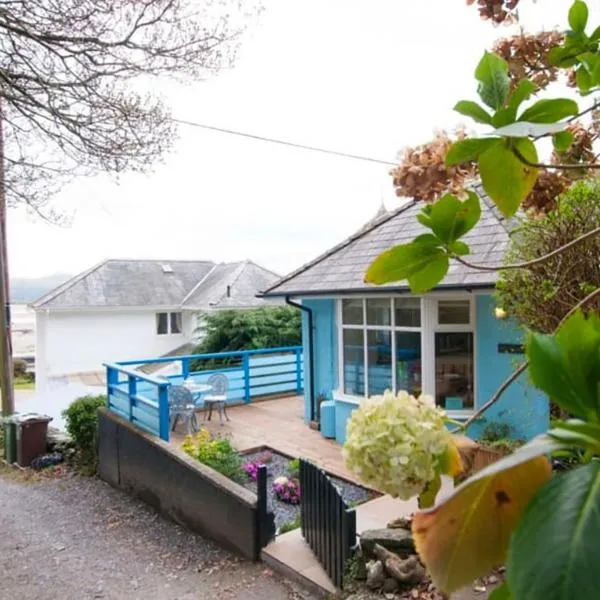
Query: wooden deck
x=280 y=425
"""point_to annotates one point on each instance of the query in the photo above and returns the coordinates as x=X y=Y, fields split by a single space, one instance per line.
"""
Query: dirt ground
x=77 y=538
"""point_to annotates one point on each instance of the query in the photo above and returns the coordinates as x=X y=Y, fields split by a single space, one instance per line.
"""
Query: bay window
x=408 y=343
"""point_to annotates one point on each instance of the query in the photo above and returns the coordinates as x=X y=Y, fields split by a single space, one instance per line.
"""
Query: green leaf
x=522 y=129
x=501 y=593
x=467 y=150
x=578 y=16
x=583 y=80
x=563 y=57
x=550 y=110
x=429 y=494
x=430 y=274
x=565 y=366
x=459 y=248
x=494 y=82
x=521 y=93
x=505 y=116
x=403 y=262
x=562 y=140
x=505 y=178
x=553 y=552
x=577 y=434
x=451 y=218
x=595 y=35
x=427 y=239
x=473 y=110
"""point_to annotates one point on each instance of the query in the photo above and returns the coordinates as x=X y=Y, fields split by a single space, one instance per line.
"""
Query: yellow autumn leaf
x=454 y=463
x=468 y=533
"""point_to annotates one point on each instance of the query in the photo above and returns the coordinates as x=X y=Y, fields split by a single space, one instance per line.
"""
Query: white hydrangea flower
x=281 y=481
x=394 y=442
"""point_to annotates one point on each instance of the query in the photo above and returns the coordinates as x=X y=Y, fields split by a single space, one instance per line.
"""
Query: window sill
x=457 y=415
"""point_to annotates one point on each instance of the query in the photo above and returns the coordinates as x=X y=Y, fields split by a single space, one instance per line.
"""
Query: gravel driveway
x=78 y=538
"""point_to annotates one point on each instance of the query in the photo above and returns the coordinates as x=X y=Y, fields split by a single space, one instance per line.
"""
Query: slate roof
x=342 y=269
x=197 y=285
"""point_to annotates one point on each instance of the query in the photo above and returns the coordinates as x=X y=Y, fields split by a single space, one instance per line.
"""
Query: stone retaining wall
x=190 y=493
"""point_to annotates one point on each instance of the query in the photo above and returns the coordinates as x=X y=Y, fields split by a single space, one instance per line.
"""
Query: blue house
x=360 y=339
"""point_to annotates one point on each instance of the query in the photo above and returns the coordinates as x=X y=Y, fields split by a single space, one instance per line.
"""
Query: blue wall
x=325 y=350
x=522 y=406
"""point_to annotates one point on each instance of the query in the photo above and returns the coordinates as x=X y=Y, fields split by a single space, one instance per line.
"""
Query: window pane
x=378 y=311
x=354 y=362
x=408 y=312
x=379 y=355
x=162 y=323
x=454 y=312
x=454 y=370
x=408 y=361
x=176 y=322
x=352 y=312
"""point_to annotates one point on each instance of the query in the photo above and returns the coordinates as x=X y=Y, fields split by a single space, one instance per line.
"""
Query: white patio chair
x=181 y=405
x=217 y=396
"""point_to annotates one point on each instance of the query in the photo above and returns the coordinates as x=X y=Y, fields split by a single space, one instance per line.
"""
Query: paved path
x=76 y=538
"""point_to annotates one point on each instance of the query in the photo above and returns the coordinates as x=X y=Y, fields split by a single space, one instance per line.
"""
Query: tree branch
x=529 y=263
x=513 y=376
x=560 y=166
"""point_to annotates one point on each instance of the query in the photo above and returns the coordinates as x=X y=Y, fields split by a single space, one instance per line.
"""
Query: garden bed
x=279 y=467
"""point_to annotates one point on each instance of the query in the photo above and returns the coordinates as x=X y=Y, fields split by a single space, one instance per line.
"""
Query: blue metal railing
x=143 y=399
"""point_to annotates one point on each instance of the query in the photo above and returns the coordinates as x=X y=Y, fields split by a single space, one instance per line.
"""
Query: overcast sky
x=367 y=77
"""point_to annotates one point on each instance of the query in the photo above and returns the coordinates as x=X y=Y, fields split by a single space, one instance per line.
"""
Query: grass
x=22 y=383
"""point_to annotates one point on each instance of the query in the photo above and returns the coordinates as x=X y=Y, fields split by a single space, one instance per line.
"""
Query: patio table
x=197 y=389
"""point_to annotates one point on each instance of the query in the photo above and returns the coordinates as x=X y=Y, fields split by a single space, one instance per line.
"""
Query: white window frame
x=429 y=327
x=169 y=314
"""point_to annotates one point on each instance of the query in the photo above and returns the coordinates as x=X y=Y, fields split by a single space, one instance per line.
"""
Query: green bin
x=10 y=441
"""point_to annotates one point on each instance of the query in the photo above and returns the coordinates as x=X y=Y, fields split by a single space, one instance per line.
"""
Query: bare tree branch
x=72 y=74
x=529 y=263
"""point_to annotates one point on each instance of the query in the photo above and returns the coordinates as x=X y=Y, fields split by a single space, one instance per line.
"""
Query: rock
x=400 y=523
x=390 y=585
x=492 y=579
x=405 y=570
x=375 y=575
x=395 y=540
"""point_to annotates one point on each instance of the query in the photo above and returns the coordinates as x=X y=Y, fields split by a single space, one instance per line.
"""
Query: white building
x=130 y=309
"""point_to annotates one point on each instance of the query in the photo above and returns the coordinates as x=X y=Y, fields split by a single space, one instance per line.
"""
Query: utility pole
x=6 y=373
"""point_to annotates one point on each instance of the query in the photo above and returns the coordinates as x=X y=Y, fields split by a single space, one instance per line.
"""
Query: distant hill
x=23 y=291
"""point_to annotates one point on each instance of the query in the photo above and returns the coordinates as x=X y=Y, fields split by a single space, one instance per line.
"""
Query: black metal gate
x=328 y=525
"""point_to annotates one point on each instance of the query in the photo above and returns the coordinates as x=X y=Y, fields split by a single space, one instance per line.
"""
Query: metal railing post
x=246 y=367
x=299 y=383
x=185 y=367
x=163 y=411
x=132 y=388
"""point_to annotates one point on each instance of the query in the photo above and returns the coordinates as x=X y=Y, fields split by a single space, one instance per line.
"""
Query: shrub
x=216 y=453
x=287 y=490
x=540 y=296
x=82 y=425
x=251 y=469
x=19 y=368
x=294 y=468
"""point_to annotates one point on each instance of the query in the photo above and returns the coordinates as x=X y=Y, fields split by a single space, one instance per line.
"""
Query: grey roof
x=162 y=284
x=342 y=269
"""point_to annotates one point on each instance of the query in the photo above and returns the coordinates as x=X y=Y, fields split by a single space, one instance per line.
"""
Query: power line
x=286 y=143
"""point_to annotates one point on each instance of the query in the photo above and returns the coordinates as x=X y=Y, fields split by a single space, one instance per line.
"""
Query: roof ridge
x=364 y=230
x=61 y=289
x=160 y=260
x=236 y=275
x=255 y=264
x=202 y=280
